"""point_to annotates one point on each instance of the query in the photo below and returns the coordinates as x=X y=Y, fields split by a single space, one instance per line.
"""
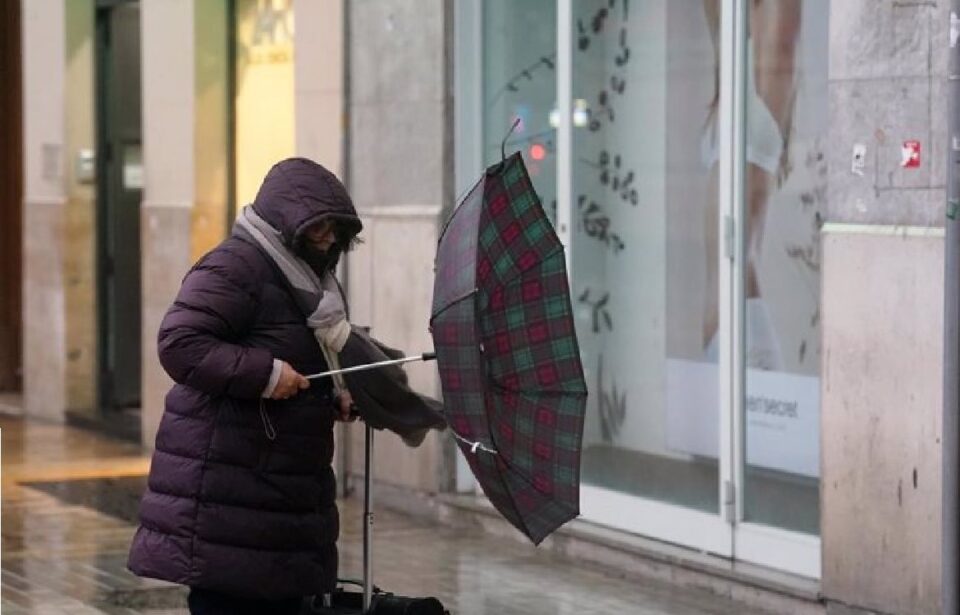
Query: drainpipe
x=950 y=559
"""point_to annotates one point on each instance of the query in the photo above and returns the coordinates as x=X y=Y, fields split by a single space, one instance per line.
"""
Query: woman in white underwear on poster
x=773 y=31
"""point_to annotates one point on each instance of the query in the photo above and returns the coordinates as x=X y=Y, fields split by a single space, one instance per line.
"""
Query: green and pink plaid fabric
x=509 y=362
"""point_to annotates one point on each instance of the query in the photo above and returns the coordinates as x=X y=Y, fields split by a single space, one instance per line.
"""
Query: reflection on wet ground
x=69 y=504
x=117 y=497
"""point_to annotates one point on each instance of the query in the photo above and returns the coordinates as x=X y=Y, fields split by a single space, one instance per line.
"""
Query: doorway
x=119 y=195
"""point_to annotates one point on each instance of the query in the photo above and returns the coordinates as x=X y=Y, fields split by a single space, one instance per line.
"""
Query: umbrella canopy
x=502 y=326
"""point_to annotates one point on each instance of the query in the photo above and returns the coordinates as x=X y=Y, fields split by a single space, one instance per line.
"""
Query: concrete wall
x=400 y=175
x=391 y=284
x=882 y=327
x=882 y=308
x=318 y=79
x=44 y=327
x=887 y=75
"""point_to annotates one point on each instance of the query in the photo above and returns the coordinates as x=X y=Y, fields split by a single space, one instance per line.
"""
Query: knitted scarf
x=320 y=300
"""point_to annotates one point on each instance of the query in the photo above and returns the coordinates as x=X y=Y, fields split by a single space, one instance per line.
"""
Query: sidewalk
x=69 y=500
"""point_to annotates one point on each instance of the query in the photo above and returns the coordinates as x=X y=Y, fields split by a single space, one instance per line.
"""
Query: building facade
x=754 y=228
x=751 y=195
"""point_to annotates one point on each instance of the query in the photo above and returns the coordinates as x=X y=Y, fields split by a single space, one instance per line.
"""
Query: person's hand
x=290 y=382
x=343 y=406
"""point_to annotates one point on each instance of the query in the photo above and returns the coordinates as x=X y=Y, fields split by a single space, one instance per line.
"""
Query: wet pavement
x=68 y=507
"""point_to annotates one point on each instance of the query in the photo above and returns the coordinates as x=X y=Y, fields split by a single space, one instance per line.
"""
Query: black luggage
x=346 y=602
x=371 y=600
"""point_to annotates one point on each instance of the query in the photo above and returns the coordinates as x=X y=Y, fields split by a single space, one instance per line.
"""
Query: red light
x=538 y=152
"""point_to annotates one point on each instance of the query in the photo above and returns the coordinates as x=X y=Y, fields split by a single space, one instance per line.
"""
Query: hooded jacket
x=241 y=492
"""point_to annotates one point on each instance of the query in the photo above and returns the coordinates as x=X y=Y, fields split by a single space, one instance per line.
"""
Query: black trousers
x=207 y=602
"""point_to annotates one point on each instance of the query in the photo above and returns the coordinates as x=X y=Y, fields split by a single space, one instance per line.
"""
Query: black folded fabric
x=383 y=396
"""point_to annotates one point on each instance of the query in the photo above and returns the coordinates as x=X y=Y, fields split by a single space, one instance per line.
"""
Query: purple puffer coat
x=238 y=500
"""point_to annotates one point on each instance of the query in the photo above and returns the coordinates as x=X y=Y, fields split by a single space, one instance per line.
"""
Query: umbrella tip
x=503 y=144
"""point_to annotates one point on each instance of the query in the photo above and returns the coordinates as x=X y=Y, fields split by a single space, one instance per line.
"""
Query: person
x=240 y=504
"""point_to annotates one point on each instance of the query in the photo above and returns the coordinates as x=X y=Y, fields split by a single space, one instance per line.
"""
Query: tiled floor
x=63 y=555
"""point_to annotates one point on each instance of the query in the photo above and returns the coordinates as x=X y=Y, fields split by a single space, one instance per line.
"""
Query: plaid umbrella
x=502 y=326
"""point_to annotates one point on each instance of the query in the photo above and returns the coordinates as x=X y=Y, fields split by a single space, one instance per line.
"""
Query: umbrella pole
x=427 y=356
x=367 y=520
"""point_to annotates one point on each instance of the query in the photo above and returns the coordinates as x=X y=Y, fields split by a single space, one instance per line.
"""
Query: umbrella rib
x=539 y=392
x=474 y=446
x=459 y=299
x=458 y=208
x=519 y=474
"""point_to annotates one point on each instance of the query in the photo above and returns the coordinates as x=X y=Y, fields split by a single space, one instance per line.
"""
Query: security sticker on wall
x=910 y=155
x=859 y=159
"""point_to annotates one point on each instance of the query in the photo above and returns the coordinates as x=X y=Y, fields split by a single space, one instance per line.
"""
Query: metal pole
x=427 y=356
x=367 y=521
x=950 y=559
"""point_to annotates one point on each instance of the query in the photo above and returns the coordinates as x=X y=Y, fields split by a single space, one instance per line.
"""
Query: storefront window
x=643 y=74
x=786 y=175
x=654 y=277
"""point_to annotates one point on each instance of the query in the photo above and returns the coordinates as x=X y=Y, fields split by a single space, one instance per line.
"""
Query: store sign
x=272 y=38
x=782 y=416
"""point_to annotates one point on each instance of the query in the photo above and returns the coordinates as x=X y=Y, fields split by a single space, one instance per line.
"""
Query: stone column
x=882 y=303
x=44 y=327
x=318 y=78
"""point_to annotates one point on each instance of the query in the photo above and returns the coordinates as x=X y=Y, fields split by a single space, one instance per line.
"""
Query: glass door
x=644 y=247
x=619 y=106
x=119 y=194
x=783 y=173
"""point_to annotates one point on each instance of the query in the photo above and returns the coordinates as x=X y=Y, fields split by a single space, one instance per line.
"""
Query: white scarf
x=320 y=300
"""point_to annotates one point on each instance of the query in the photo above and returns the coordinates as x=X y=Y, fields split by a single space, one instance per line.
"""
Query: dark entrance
x=119 y=194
